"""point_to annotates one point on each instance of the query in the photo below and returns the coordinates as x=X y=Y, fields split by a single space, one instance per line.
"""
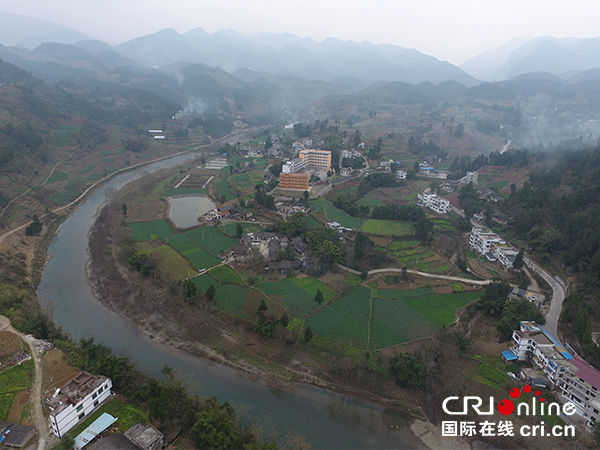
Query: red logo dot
x=506 y=407
x=527 y=388
x=515 y=393
x=537 y=393
x=542 y=399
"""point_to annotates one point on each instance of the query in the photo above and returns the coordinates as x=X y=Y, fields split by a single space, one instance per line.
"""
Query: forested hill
x=53 y=143
x=558 y=214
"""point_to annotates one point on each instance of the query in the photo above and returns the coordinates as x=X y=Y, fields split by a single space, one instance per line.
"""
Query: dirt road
x=35 y=397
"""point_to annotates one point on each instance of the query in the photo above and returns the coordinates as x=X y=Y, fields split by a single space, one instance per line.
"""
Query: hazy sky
x=449 y=30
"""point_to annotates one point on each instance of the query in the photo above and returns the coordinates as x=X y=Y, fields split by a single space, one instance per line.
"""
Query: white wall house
x=492 y=246
x=438 y=204
x=577 y=381
x=76 y=400
x=401 y=174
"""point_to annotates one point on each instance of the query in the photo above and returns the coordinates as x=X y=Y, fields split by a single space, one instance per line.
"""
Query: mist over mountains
x=269 y=78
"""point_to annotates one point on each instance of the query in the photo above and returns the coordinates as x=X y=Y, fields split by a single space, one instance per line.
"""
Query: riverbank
x=149 y=305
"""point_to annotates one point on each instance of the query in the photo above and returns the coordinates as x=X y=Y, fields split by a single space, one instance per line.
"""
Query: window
x=81 y=416
x=595 y=411
x=94 y=395
x=101 y=389
x=79 y=408
x=95 y=403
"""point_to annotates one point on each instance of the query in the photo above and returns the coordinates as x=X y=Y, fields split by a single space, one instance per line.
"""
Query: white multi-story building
x=76 y=400
x=471 y=177
x=577 y=381
x=438 y=204
x=401 y=174
x=492 y=246
x=293 y=166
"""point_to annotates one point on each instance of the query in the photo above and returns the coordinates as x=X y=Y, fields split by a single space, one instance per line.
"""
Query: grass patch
x=334 y=214
x=172 y=263
x=352 y=280
x=108 y=406
x=493 y=377
x=6 y=401
x=231 y=299
x=458 y=287
x=183 y=244
x=163 y=230
x=129 y=415
x=311 y=222
x=404 y=293
x=204 y=281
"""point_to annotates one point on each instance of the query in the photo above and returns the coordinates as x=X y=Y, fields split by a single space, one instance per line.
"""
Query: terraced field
x=414 y=256
x=286 y=293
x=211 y=239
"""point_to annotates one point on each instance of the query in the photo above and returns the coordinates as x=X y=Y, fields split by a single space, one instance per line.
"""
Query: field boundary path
x=417 y=272
x=36 y=392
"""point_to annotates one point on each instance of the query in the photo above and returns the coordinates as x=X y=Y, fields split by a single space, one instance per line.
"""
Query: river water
x=327 y=420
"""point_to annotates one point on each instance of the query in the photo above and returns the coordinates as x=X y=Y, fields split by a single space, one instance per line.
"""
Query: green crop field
x=420 y=258
x=334 y=214
x=6 y=401
x=241 y=181
x=182 y=243
x=201 y=259
x=230 y=228
x=143 y=231
x=312 y=222
x=387 y=227
x=345 y=320
x=394 y=322
x=16 y=378
x=204 y=281
x=370 y=202
x=223 y=188
x=226 y=274
x=401 y=245
x=312 y=285
x=441 y=308
x=169 y=192
x=287 y=294
x=163 y=230
x=231 y=299
x=211 y=239
x=404 y=293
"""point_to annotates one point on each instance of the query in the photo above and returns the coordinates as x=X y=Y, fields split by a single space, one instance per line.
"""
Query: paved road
x=35 y=397
x=416 y=272
x=559 y=293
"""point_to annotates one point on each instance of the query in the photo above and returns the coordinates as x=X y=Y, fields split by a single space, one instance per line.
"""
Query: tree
x=190 y=291
x=319 y=297
x=407 y=371
x=262 y=307
x=284 y=321
x=494 y=298
x=67 y=442
x=265 y=327
x=306 y=195
x=308 y=334
x=35 y=227
x=239 y=230
x=124 y=209
x=518 y=264
x=463 y=342
x=329 y=253
x=364 y=275
x=516 y=311
x=460 y=129
x=215 y=428
x=210 y=293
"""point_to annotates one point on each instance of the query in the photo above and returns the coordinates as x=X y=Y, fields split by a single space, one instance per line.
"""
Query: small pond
x=185 y=210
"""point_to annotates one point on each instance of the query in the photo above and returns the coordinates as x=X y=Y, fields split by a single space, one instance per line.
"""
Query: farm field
x=394 y=322
x=150 y=230
x=345 y=320
x=163 y=230
x=231 y=299
x=287 y=294
x=204 y=281
x=387 y=227
x=171 y=262
x=334 y=214
x=441 y=308
x=419 y=258
x=226 y=274
x=230 y=228
x=312 y=285
x=12 y=381
x=201 y=259
x=211 y=239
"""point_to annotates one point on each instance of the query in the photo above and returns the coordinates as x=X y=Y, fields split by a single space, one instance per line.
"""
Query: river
x=328 y=420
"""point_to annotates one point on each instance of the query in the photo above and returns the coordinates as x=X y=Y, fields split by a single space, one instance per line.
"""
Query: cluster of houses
x=285 y=208
x=577 y=381
x=533 y=297
x=492 y=246
x=229 y=212
x=273 y=243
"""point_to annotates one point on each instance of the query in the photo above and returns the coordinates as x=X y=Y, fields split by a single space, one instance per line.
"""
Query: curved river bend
x=327 y=420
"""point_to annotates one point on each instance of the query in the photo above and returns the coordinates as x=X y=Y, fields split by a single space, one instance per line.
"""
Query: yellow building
x=296 y=181
x=316 y=158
